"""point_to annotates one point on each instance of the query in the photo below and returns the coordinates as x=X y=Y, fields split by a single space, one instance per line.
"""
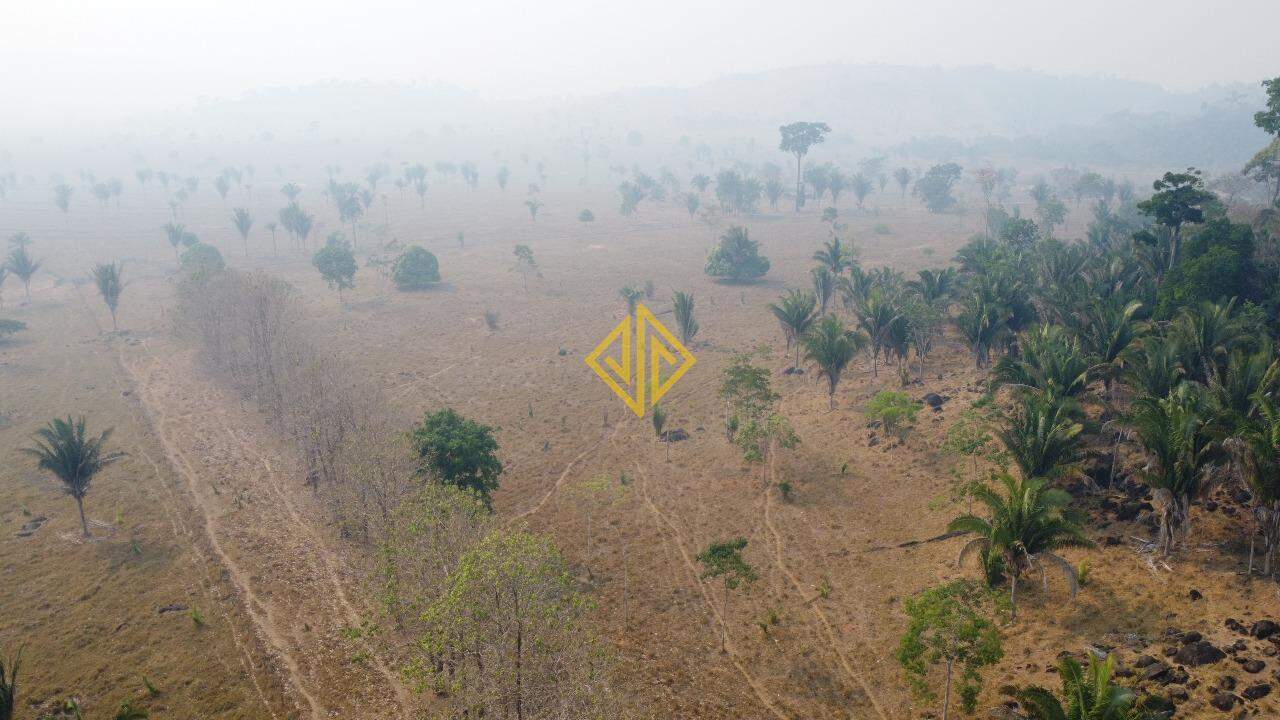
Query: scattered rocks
x=793 y=371
x=1227 y=682
x=1144 y=660
x=1253 y=667
x=1158 y=704
x=175 y=607
x=677 y=435
x=1195 y=595
x=1264 y=629
x=1201 y=652
x=1235 y=625
x=30 y=527
x=1223 y=701
x=934 y=400
x=1256 y=691
x=1191 y=637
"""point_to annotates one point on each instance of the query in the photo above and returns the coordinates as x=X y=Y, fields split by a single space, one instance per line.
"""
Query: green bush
x=737 y=257
x=586 y=216
x=895 y=410
x=201 y=259
x=415 y=269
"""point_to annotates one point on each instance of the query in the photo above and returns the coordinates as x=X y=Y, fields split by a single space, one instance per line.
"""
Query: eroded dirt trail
x=263 y=526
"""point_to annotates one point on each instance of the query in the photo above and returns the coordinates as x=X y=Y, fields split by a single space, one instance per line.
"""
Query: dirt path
x=811 y=603
x=283 y=572
x=673 y=534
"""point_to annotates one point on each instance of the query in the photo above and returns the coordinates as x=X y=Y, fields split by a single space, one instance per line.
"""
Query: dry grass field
x=215 y=574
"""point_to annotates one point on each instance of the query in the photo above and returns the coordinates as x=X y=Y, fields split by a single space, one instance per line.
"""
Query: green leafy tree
x=682 y=303
x=459 y=452
x=796 y=313
x=62 y=197
x=903 y=177
x=737 y=257
x=243 y=222
x=416 y=268
x=935 y=186
x=754 y=425
x=525 y=264
x=336 y=263
x=949 y=625
x=1024 y=527
x=201 y=260
x=534 y=206
x=65 y=450
x=796 y=139
x=107 y=276
x=21 y=264
x=724 y=560
x=1179 y=199
x=1089 y=693
x=832 y=346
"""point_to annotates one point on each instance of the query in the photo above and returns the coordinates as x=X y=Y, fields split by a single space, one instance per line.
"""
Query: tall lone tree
x=949 y=624
x=832 y=347
x=107 y=277
x=797 y=138
x=243 y=222
x=336 y=263
x=724 y=560
x=64 y=449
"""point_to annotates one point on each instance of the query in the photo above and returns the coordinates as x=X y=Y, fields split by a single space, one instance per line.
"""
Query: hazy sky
x=75 y=58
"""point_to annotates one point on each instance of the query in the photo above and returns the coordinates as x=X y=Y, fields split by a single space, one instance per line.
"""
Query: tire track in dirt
x=811 y=602
x=765 y=697
x=261 y=613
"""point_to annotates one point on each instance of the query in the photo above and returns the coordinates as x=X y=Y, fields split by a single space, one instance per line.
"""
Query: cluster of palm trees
x=889 y=317
x=1089 y=366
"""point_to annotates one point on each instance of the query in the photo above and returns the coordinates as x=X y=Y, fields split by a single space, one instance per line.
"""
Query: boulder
x=934 y=400
x=1253 y=667
x=1256 y=691
x=1201 y=652
x=1264 y=629
x=1223 y=701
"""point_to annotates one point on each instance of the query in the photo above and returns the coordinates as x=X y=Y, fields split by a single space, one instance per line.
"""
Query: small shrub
x=491 y=319
x=785 y=488
x=415 y=269
x=197 y=617
x=9 y=327
x=880 y=229
x=201 y=260
x=895 y=411
x=586 y=216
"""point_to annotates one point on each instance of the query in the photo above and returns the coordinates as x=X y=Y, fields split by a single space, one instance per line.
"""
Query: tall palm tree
x=1024 y=527
x=682 y=303
x=835 y=256
x=984 y=323
x=4 y=275
x=243 y=222
x=1178 y=444
x=9 y=685
x=877 y=316
x=107 y=277
x=1089 y=694
x=824 y=284
x=1155 y=366
x=21 y=263
x=796 y=314
x=1255 y=449
x=63 y=448
x=832 y=346
x=176 y=234
x=659 y=419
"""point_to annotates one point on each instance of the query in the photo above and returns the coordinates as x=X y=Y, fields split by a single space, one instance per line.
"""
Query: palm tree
x=1025 y=525
x=935 y=286
x=1179 y=450
x=795 y=313
x=1208 y=332
x=272 y=227
x=835 y=256
x=21 y=263
x=823 y=286
x=631 y=296
x=1155 y=366
x=107 y=277
x=63 y=449
x=4 y=275
x=176 y=235
x=1255 y=448
x=877 y=316
x=9 y=685
x=291 y=191
x=1088 y=692
x=1107 y=333
x=659 y=419
x=984 y=323
x=1049 y=362
x=683 y=304
x=832 y=347
x=1042 y=437
x=243 y=222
